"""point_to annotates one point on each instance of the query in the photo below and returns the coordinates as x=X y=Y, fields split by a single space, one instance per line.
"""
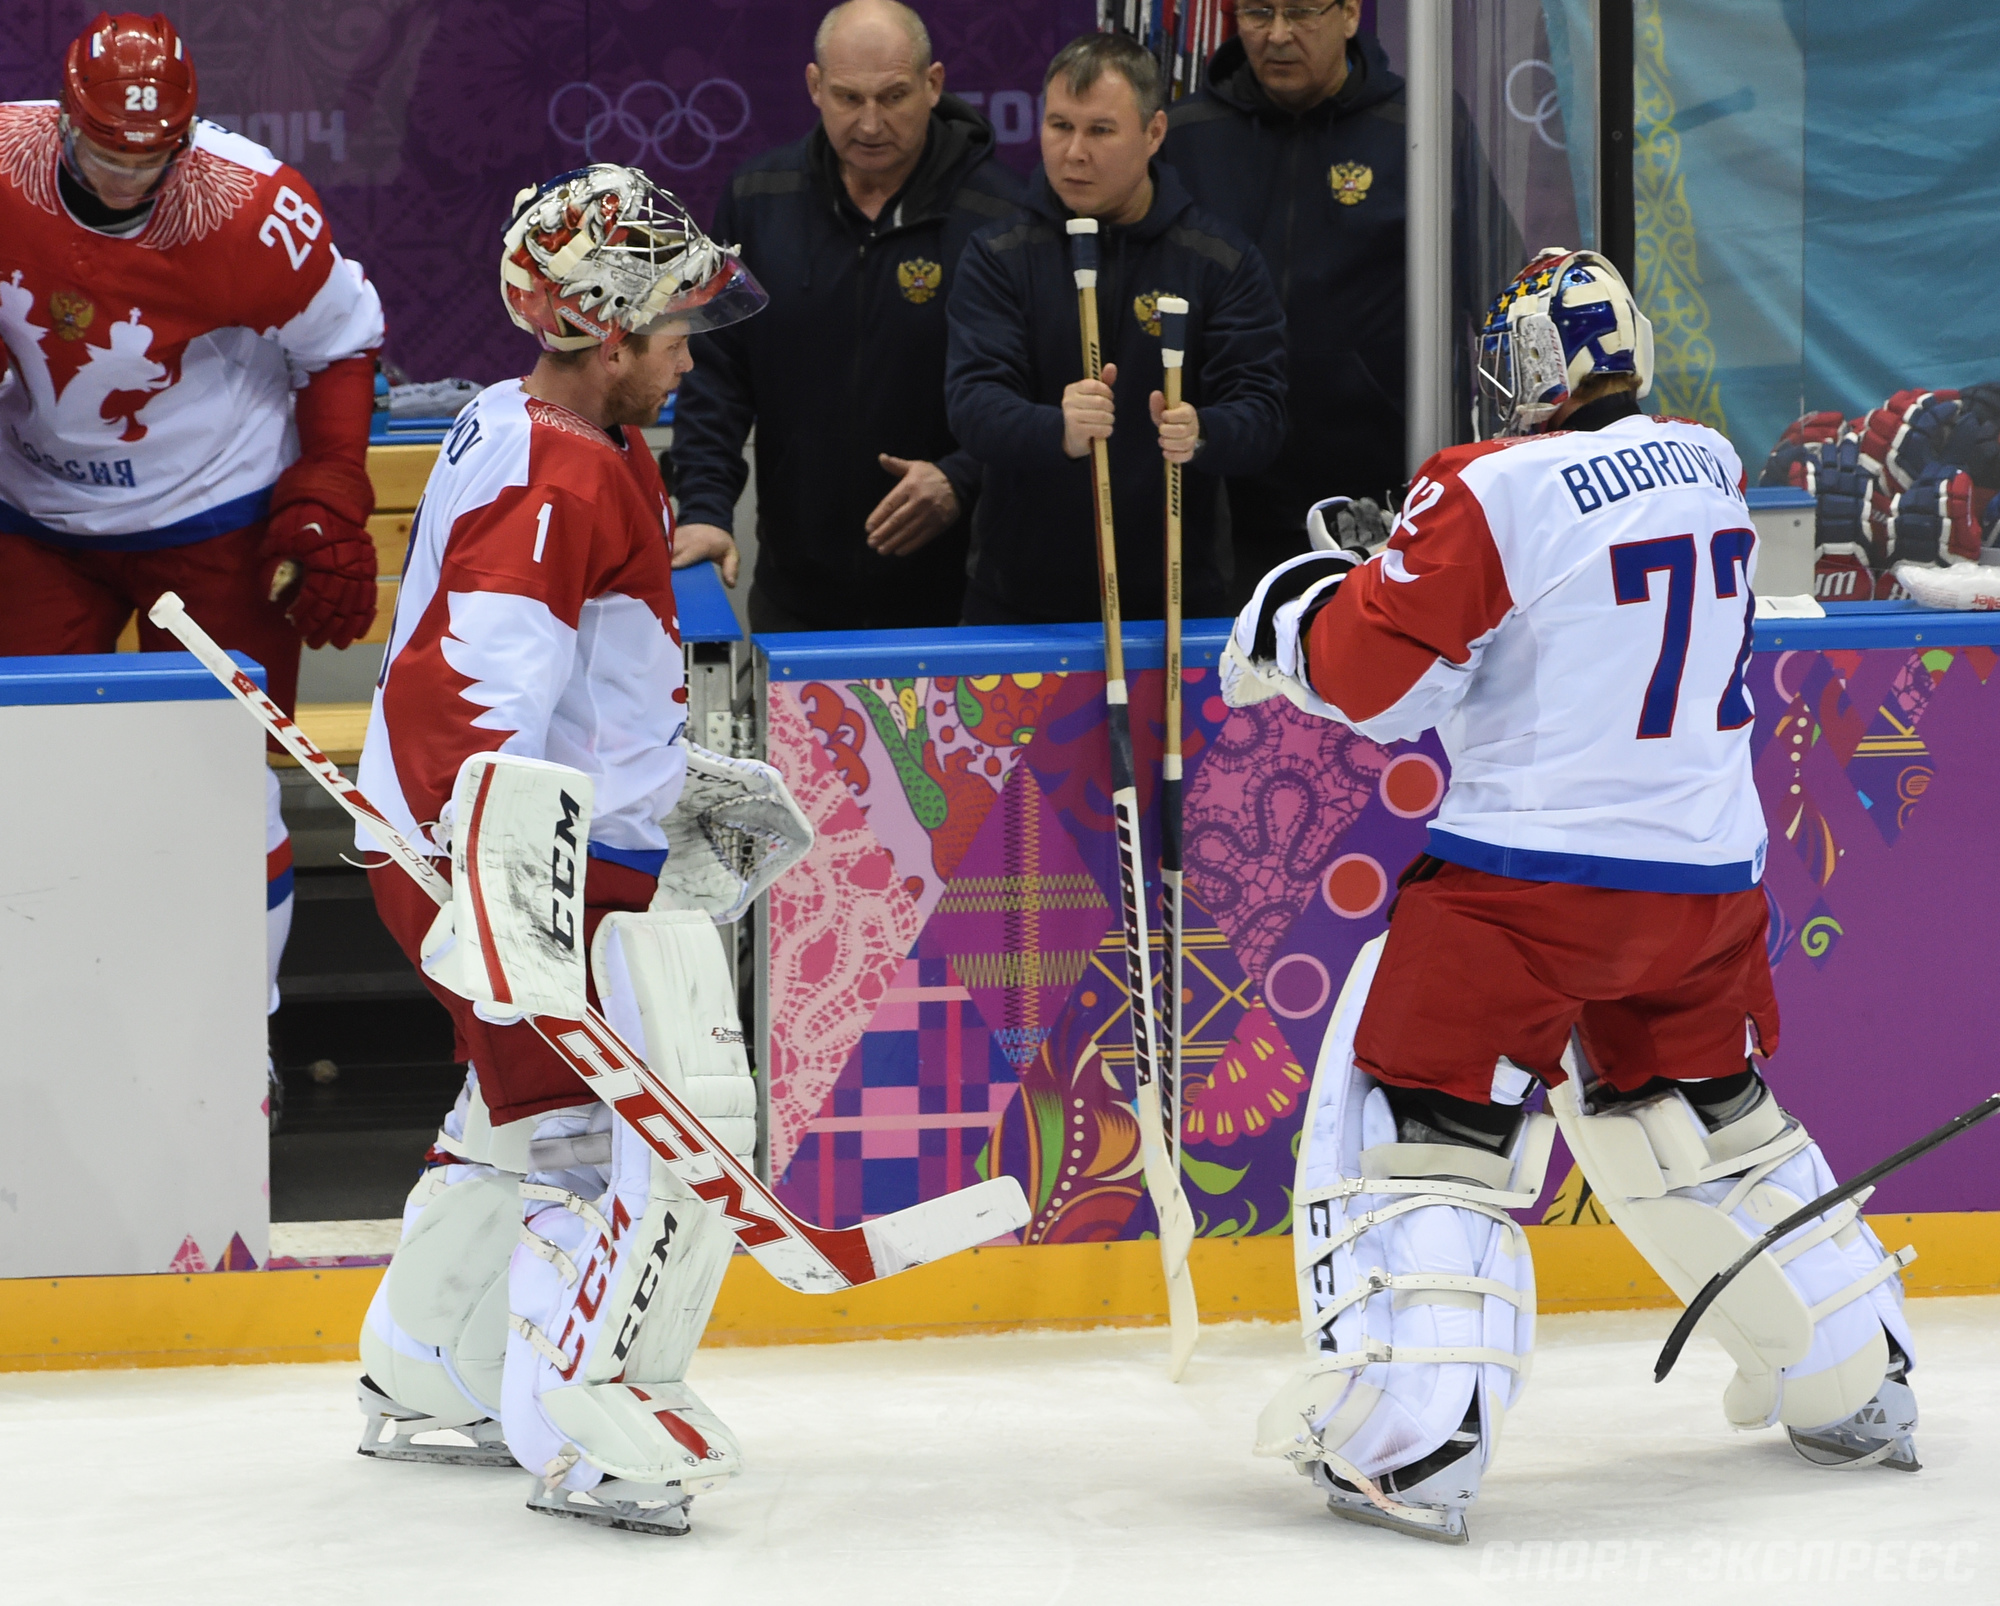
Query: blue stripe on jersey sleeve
x=1591 y=870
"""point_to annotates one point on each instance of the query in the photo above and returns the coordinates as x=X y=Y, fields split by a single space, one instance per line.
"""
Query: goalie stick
x=1670 y=1352
x=1173 y=313
x=809 y=1259
x=1163 y=1181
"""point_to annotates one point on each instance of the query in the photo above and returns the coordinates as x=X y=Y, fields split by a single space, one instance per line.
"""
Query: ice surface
x=1030 y=1468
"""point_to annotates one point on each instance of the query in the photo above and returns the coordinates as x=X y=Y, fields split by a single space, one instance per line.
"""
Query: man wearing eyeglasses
x=1297 y=138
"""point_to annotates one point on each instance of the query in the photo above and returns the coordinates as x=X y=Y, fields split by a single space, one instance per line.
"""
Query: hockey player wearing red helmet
x=554 y=1276
x=190 y=381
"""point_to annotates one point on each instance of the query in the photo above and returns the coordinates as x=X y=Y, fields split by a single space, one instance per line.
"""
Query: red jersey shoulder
x=1454 y=460
x=572 y=454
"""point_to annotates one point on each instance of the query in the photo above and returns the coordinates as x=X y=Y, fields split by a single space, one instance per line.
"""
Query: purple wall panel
x=418 y=120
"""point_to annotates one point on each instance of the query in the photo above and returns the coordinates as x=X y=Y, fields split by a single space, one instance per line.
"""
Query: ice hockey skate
x=392 y=1432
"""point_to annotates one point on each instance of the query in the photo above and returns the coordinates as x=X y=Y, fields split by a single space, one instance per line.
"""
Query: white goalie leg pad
x=610 y=1288
x=511 y=939
x=665 y=983
x=435 y=1335
x=1416 y=1294
x=1806 y=1321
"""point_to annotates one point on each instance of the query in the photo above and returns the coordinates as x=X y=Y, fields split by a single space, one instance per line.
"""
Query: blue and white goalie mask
x=1567 y=317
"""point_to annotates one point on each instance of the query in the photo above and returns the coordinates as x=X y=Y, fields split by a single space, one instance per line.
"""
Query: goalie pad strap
x=1440 y=1282
x=544 y=1194
x=1376 y=1354
x=1831 y=1225
x=540 y=1340
x=1437 y=1162
x=1889 y=1266
x=542 y=1249
x=1310 y=1250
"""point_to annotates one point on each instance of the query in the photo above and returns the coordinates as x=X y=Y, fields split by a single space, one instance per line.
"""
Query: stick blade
x=940 y=1227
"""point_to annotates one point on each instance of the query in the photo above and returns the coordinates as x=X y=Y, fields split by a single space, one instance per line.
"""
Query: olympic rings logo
x=1545 y=110
x=652 y=122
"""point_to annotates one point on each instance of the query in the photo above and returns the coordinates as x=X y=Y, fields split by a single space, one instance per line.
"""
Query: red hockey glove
x=318 y=557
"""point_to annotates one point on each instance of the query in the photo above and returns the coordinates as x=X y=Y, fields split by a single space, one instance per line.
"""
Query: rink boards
x=314 y=1314
x=941 y=997
x=945 y=997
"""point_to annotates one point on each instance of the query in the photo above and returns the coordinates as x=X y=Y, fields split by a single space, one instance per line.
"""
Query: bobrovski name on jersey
x=1607 y=478
x=92 y=471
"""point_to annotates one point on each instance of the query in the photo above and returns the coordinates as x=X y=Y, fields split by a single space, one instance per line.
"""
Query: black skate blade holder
x=1670 y=1352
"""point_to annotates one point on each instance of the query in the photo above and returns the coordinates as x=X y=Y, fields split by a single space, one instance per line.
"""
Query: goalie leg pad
x=610 y=1288
x=1815 y=1325
x=435 y=1335
x=665 y=984
x=1416 y=1296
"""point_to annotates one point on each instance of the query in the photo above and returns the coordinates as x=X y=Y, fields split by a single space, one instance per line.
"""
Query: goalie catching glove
x=1265 y=654
x=735 y=830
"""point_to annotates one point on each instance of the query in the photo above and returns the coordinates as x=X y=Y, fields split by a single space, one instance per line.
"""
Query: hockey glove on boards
x=1264 y=657
x=318 y=558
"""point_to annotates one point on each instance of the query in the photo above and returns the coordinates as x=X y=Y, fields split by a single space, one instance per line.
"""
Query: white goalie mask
x=1567 y=317
x=602 y=252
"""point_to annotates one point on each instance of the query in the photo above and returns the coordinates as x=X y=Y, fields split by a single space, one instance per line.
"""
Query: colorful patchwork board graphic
x=947 y=995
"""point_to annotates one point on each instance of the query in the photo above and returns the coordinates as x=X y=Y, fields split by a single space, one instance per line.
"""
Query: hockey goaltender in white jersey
x=555 y=1274
x=1568 y=604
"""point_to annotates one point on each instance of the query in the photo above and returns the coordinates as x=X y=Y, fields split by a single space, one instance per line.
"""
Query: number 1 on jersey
x=1633 y=565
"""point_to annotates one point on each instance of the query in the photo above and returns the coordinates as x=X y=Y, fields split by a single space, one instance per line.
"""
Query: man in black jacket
x=1014 y=383
x=1298 y=138
x=855 y=231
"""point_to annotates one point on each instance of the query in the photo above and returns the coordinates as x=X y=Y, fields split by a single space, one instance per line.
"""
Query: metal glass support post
x=1427 y=249
x=760 y=916
x=1615 y=109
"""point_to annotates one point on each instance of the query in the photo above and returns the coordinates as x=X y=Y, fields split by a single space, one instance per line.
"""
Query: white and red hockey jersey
x=1572 y=612
x=148 y=402
x=536 y=616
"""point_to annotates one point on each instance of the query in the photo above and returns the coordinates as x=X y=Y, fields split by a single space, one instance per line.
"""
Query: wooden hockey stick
x=1173 y=313
x=1670 y=1352
x=1162 y=1176
x=812 y=1260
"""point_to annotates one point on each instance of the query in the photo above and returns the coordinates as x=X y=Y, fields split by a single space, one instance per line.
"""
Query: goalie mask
x=1566 y=318
x=602 y=252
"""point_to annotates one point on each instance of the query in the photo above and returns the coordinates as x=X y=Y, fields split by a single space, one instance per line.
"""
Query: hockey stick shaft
x=1163 y=1185
x=811 y=1259
x=171 y=615
x=1670 y=1352
x=1173 y=351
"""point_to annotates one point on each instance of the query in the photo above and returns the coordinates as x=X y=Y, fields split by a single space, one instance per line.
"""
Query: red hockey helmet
x=128 y=84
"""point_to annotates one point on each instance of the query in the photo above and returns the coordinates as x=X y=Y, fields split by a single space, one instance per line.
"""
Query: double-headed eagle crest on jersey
x=1146 y=308
x=1351 y=182
x=70 y=314
x=920 y=279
